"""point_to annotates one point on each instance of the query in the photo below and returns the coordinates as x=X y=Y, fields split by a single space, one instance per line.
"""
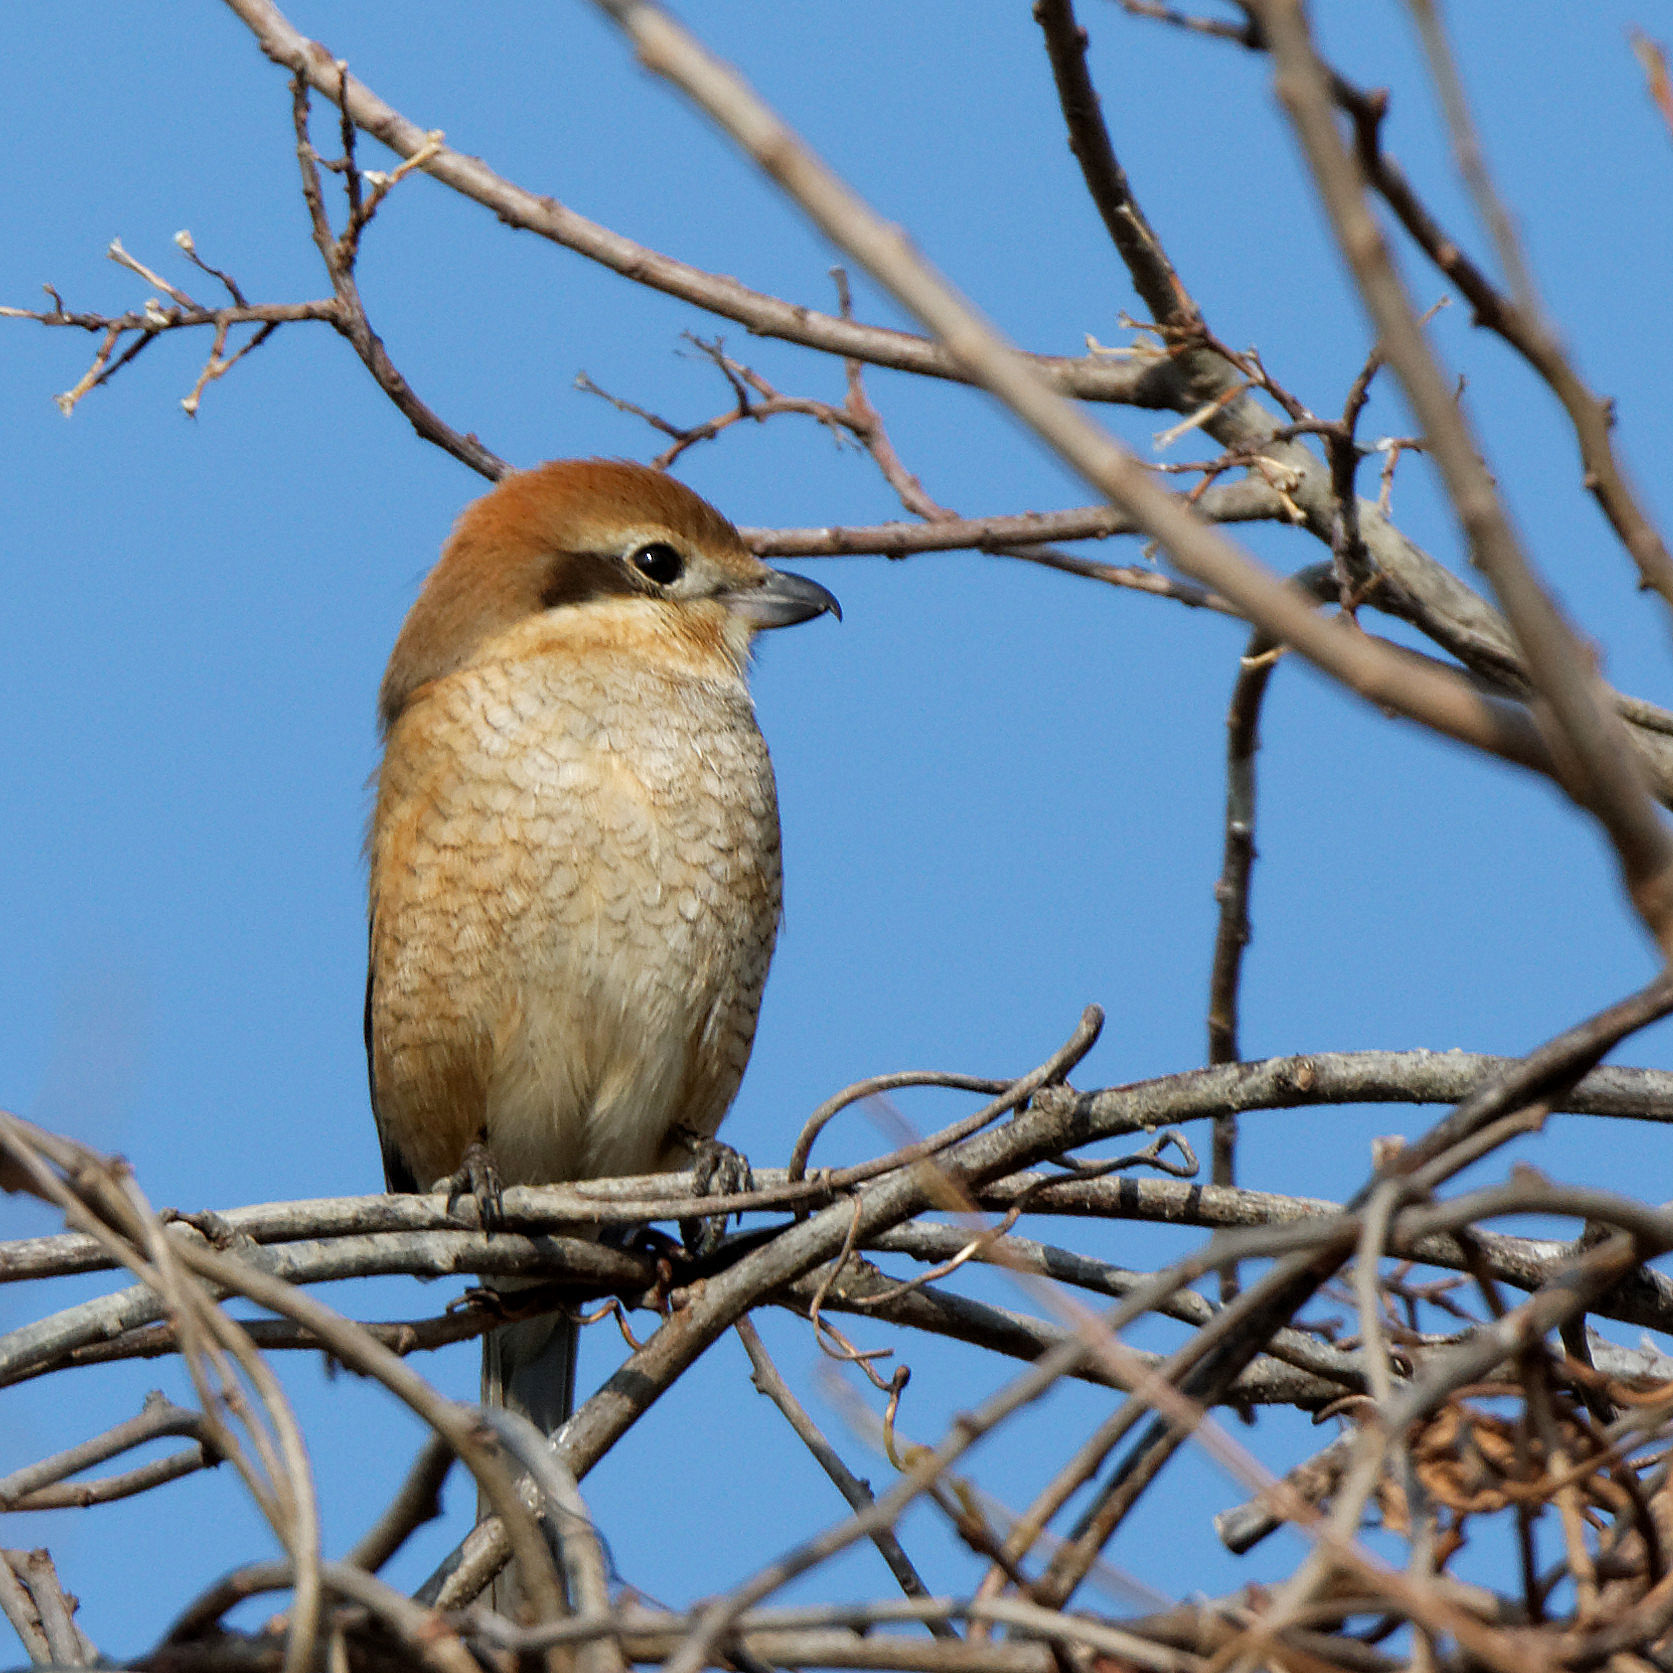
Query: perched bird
x=574 y=852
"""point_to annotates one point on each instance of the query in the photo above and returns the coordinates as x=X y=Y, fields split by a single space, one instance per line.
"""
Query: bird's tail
x=529 y=1367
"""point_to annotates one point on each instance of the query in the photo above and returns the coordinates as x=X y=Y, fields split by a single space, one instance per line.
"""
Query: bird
x=574 y=851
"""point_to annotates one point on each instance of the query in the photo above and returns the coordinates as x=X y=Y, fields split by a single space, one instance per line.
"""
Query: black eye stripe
x=659 y=562
x=576 y=577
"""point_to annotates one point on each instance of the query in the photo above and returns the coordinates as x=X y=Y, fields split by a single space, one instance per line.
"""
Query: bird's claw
x=645 y=1241
x=659 y=1250
x=717 y=1170
x=478 y=1178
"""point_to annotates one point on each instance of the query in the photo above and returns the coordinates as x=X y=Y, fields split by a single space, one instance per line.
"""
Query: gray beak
x=782 y=600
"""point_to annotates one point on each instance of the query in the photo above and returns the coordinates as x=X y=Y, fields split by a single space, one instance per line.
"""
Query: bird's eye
x=658 y=562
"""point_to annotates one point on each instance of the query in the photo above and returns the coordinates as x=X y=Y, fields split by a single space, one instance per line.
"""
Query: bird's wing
x=397 y=1174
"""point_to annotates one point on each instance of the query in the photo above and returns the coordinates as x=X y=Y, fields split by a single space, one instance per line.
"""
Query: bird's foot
x=717 y=1170
x=664 y=1255
x=640 y=1240
x=478 y=1178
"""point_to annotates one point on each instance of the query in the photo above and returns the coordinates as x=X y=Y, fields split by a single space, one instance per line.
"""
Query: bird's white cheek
x=739 y=636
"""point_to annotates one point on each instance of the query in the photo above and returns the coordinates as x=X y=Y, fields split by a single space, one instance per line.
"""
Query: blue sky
x=1000 y=787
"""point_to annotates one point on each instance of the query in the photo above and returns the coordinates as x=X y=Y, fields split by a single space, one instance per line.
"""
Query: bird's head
x=629 y=544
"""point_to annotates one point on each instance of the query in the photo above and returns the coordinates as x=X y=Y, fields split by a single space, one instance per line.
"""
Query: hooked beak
x=781 y=600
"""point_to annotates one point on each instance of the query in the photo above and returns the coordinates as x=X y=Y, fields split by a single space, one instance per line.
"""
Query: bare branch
x=1375 y=672
x=32 y=1487
x=1237 y=502
x=1092 y=378
x=37 y=1605
x=1479 y=1398
x=765 y=1376
x=1152 y=273
x=1231 y=892
x=340 y=254
x=1591 y=416
x=1595 y=764
x=418 y=1502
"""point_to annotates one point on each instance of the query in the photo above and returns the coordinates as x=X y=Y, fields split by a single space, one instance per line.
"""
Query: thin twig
x=766 y=1377
x=418 y=1502
x=1595 y=765
x=1090 y=378
x=1231 y=893
x=1153 y=275
x=158 y=1418
x=1428 y=693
